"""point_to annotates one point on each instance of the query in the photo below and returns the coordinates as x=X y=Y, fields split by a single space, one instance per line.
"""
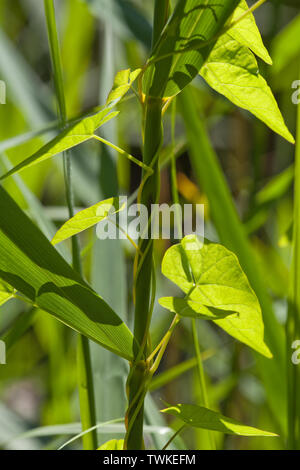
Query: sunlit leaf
x=247 y=33
x=114 y=444
x=200 y=417
x=122 y=83
x=69 y=138
x=88 y=218
x=30 y=264
x=231 y=69
x=212 y=276
x=185 y=45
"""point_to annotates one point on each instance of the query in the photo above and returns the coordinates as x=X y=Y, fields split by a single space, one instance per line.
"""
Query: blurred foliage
x=98 y=38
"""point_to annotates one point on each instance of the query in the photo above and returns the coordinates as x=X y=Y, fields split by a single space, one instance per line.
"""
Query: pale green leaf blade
x=122 y=83
x=88 y=218
x=32 y=266
x=247 y=33
x=67 y=139
x=114 y=444
x=211 y=275
x=185 y=45
x=200 y=417
x=193 y=309
x=231 y=69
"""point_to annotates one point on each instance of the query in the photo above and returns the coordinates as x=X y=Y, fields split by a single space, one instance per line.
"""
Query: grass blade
x=32 y=266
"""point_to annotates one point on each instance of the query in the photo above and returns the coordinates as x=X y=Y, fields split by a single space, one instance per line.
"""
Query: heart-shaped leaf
x=231 y=69
x=212 y=276
x=247 y=33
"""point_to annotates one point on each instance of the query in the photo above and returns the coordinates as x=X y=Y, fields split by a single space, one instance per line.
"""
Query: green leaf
x=184 y=45
x=87 y=218
x=69 y=138
x=6 y=293
x=231 y=69
x=30 y=264
x=193 y=309
x=114 y=444
x=200 y=417
x=247 y=33
x=211 y=275
x=122 y=83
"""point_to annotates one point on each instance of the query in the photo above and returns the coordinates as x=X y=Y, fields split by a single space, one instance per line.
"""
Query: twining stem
x=143 y=281
x=86 y=386
x=293 y=321
x=144 y=285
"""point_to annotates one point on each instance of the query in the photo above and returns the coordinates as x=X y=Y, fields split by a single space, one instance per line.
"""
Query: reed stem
x=85 y=377
x=140 y=369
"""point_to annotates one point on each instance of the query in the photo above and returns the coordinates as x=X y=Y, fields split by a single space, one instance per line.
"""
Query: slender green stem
x=173 y=437
x=122 y=152
x=56 y=59
x=86 y=386
x=86 y=393
x=203 y=389
x=204 y=396
x=293 y=322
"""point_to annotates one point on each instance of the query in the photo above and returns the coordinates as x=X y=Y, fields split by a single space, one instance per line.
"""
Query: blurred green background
x=38 y=394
